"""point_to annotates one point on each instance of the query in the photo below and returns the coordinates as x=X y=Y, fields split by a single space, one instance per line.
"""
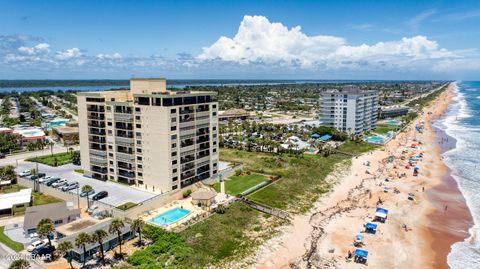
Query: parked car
x=45 y=179
x=60 y=183
x=25 y=173
x=70 y=186
x=100 y=195
x=36 y=244
x=44 y=250
x=92 y=208
x=85 y=194
x=52 y=181
x=40 y=175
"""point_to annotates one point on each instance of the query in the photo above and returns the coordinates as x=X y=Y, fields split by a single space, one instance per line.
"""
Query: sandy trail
x=322 y=238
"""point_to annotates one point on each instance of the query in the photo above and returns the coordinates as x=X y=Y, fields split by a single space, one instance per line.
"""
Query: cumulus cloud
x=260 y=41
x=68 y=54
x=39 y=48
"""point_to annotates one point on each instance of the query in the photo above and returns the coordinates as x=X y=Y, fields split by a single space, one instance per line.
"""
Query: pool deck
x=183 y=203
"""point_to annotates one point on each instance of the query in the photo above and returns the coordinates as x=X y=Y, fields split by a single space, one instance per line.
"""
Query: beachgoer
x=423 y=189
x=446 y=207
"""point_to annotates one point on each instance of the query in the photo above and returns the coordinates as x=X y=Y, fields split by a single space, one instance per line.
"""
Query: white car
x=44 y=179
x=92 y=208
x=25 y=173
x=60 y=183
x=36 y=244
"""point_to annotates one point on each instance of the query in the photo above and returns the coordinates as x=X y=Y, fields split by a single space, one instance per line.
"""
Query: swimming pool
x=375 y=139
x=393 y=122
x=170 y=216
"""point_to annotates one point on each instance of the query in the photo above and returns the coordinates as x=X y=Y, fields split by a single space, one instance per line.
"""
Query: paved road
x=13 y=159
x=5 y=262
x=117 y=193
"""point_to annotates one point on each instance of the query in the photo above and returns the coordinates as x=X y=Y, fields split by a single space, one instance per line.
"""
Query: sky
x=240 y=39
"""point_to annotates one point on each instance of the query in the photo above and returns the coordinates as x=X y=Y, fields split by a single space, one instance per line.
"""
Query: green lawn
x=58 y=159
x=127 y=206
x=357 y=148
x=302 y=179
x=223 y=236
x=9 y=242
x=42 y=199
x=12 y=188
x=236 y=184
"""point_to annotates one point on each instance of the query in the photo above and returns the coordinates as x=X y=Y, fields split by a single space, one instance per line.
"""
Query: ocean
x=462 y=122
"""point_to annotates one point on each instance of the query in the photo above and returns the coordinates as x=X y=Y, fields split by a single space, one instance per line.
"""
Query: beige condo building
x=149 y=136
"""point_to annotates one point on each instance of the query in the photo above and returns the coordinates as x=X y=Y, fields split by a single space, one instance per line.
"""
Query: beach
x=418 y=232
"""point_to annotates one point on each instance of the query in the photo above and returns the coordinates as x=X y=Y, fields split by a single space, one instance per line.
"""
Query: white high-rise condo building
x=350 y=110
x=149 y=136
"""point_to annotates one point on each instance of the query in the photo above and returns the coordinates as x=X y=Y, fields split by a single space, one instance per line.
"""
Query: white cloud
x=114 y=56
x=68 y=54
x=260 y=41
x=39 y=48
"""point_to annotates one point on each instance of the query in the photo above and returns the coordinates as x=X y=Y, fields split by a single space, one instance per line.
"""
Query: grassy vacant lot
x=12 y=188
x=222 y=236
x=9 y=242
x=58 y=159
x=356 y=148
x=302 y=178
x=42 y=199
x=127 y=206
x=236 y=184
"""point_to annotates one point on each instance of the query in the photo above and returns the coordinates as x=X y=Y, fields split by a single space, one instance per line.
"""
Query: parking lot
x=118 y=194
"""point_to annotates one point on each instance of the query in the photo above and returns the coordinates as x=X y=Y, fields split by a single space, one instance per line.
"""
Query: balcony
x=124 y=156
x=187 y=175
x=124 y=140
x=98 y=160
x=123 y=117
x=186 y=111
x=96 y=109
x=99 y=170
x=187 y=159
x=126 y=174
x=125 y=166
x=98 y=152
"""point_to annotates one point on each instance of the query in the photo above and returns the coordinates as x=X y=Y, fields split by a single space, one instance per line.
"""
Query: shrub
x=238 y=172
x=187 y=193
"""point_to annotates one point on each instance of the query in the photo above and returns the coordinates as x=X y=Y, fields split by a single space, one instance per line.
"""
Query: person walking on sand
x=446 y=207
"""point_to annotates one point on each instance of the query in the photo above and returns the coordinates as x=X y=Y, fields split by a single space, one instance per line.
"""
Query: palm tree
x=64 y=249
x=220 y=209
x=44 y=228
x=8 y=173
x=51 y=144
x=116 y=227
x=81 y=241
x=98 y=236
x=137 y=225
x=87 y=189
x=19 y=264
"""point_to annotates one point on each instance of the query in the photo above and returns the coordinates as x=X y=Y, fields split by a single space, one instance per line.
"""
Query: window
x=140 y=174
x=110 y=147
x=112 y=170
x=109 y=132
x=174 y=145
x=214 y=106
x=214 y=128
x=139 y=158
x=137 y=109
x=214 y=150
x=174 y=187
x=174 y=170
x=111 y=162
x=214 y=114
x=139 y=150
x=173 y=110
x=174 y=162
x=174 y=119
x=110 y=154
x=140 y=182
x=175 y=178
x=137 y=117
x=109 y=123
x=138 y=134
x=173 y=128
x=174 y=154
x=139 y=126
x=58 y=221
x=140 y=166
x=139 y=142
x=174 y=137
x=143 y=101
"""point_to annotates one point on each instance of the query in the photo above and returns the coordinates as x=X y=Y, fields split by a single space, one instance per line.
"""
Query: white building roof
x=15 y=198
x=30 y=132
x=297 y=143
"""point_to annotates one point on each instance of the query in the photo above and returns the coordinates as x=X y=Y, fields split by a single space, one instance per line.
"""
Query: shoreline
x=455 y=228
x=322 y=237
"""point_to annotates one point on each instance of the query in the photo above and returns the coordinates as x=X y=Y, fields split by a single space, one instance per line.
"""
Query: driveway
x=118 y=194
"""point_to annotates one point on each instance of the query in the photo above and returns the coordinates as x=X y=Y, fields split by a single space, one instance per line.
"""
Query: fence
x=266 y=209
x=67 y=196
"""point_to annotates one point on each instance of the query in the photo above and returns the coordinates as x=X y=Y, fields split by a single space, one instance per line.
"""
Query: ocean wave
x=460 y=123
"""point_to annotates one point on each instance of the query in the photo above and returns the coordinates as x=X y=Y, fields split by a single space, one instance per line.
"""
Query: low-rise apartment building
x=350 y=110
x=149 y=136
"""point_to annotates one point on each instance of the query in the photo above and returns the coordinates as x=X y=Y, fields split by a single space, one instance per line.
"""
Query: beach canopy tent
x=371 y=228
x=361 y=255
x=326 y=137
x=381 y=214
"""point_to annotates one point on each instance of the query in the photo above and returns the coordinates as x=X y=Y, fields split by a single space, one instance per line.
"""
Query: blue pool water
x=375 y=139
x=170 y=216
x=393 y=122
x=58 y=122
